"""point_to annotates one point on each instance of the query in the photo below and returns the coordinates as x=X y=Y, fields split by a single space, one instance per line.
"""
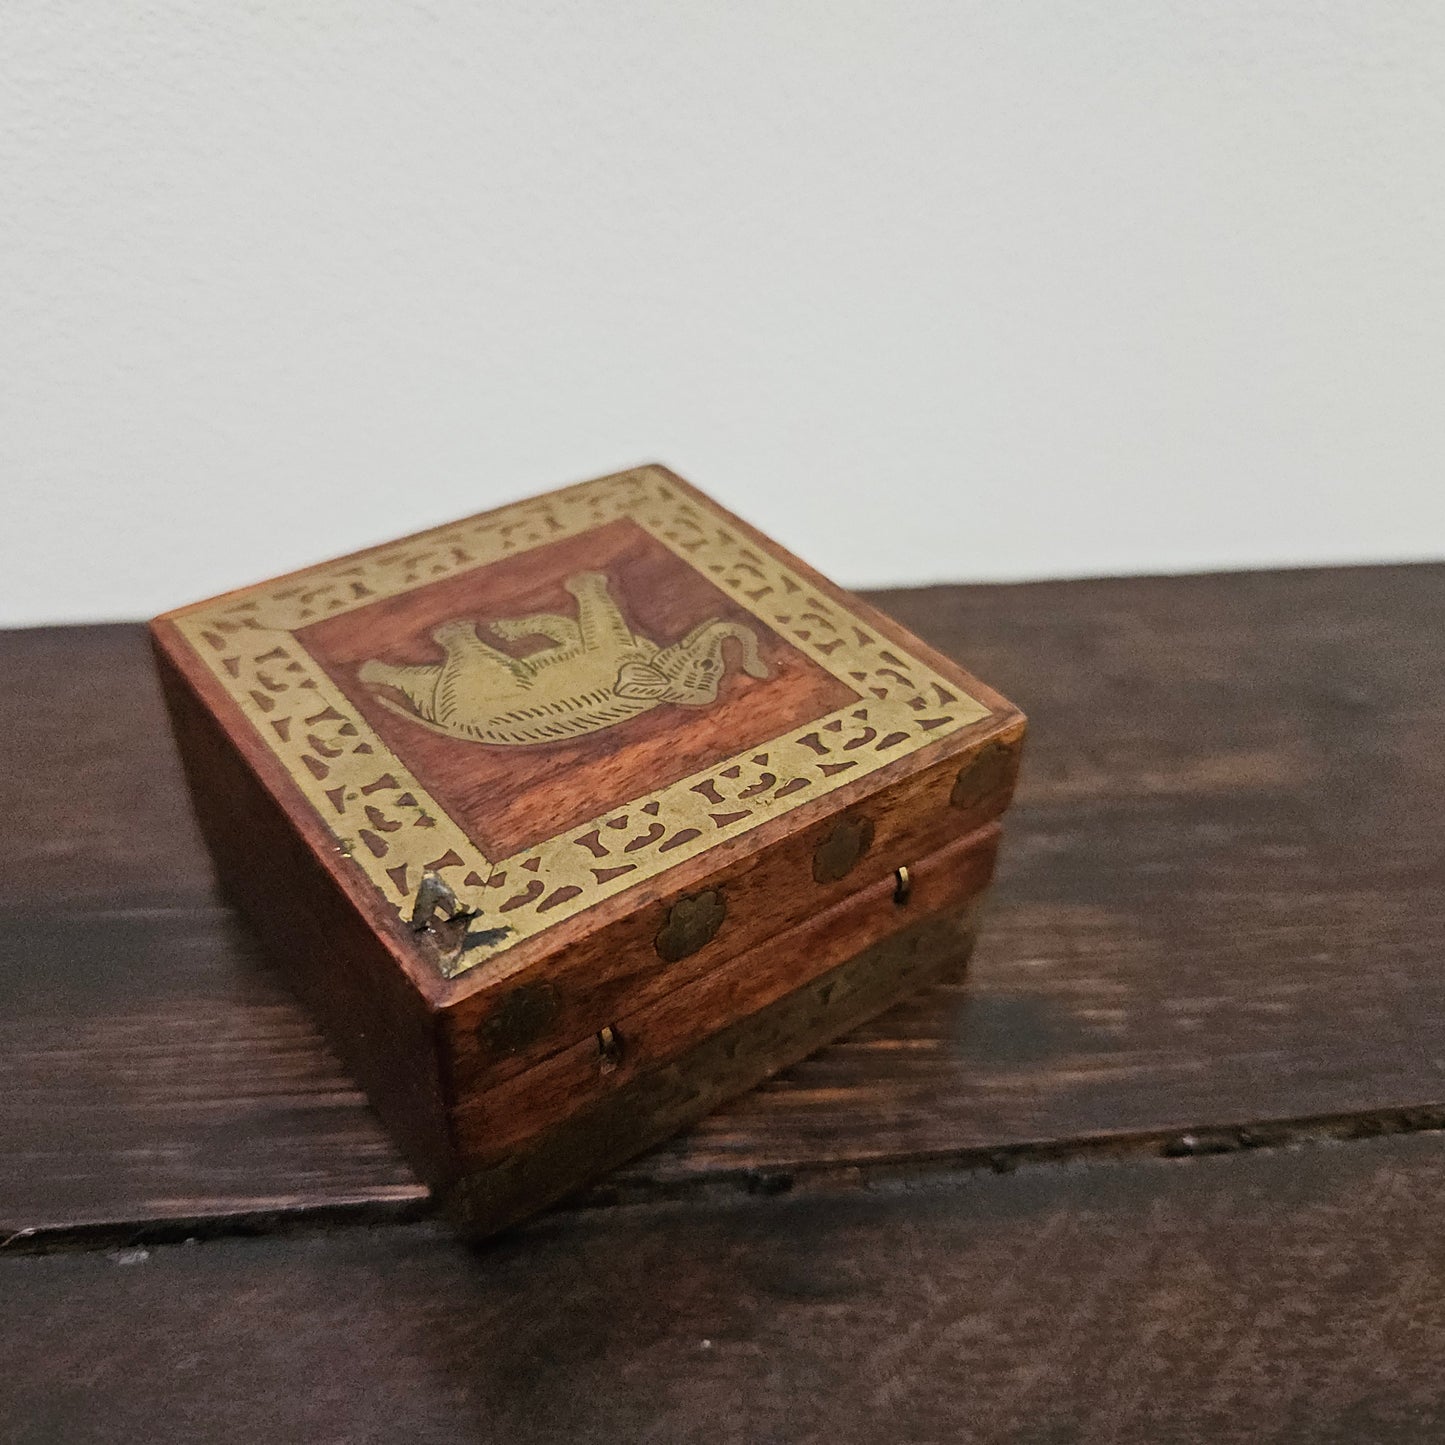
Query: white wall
x=930 y=291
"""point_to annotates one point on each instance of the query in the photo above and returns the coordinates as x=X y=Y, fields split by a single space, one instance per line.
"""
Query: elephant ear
x=641 y=682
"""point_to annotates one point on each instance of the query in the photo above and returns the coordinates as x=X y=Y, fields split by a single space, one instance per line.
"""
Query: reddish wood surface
x=605 y=964
x=1293 y=1296
x=677 y=1021
x=341 y=962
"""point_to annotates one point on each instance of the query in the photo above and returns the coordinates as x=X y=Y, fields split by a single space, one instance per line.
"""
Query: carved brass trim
x=385 y=821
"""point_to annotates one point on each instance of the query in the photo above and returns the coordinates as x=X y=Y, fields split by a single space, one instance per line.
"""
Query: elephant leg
x=419 y=684
x=472 y=671
x=603 y=627
x=562 y=630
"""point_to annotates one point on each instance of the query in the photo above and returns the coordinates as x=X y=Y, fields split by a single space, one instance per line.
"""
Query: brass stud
x=902 y=886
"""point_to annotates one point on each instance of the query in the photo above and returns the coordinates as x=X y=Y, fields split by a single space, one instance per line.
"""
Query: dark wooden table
x=1169 y=1167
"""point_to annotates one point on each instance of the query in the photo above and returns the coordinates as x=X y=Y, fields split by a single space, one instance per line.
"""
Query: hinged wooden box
x=572 y=819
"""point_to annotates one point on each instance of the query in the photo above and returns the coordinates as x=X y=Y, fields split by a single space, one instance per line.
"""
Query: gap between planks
x=882 y=1174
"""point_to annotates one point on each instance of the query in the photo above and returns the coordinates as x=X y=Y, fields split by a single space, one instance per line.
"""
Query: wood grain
x=1220 y=902
x=96 y=808
x=153 y=1069
x=335 y=959
x=673 y=1022
x=1286 y=1297
x=614 y=967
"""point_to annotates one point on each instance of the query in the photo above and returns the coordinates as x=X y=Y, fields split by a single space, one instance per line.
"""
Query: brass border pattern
x=384 y=819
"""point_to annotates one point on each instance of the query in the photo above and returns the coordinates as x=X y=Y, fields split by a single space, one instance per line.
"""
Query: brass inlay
x=837 y=854
x=520 y=1019
x=596 y=674
x=391 y=828
x=982 y=776
x=691 y=923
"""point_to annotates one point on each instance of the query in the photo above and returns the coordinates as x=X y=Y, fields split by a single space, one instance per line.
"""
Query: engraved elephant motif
x=596 y=673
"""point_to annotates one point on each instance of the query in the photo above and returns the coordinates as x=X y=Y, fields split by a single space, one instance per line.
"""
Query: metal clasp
x=609 y=1049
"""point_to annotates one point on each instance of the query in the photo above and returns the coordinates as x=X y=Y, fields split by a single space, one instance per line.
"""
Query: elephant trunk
x=707 y=640
x=693 y=668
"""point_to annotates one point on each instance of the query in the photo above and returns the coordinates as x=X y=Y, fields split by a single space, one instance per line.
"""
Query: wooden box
x=575 y=818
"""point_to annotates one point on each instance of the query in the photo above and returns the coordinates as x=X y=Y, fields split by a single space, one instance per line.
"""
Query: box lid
x=544 y=738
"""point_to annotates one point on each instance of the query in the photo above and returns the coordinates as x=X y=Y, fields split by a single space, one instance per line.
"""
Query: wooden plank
x=153 y=1069
x=1220 y=903
x=1275 y=1297
x=96 y=811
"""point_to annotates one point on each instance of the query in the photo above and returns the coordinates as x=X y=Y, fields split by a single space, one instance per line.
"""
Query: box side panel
x=374 y=1017
x=657 y=1099
x=626 y=960
x=494 y=1123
